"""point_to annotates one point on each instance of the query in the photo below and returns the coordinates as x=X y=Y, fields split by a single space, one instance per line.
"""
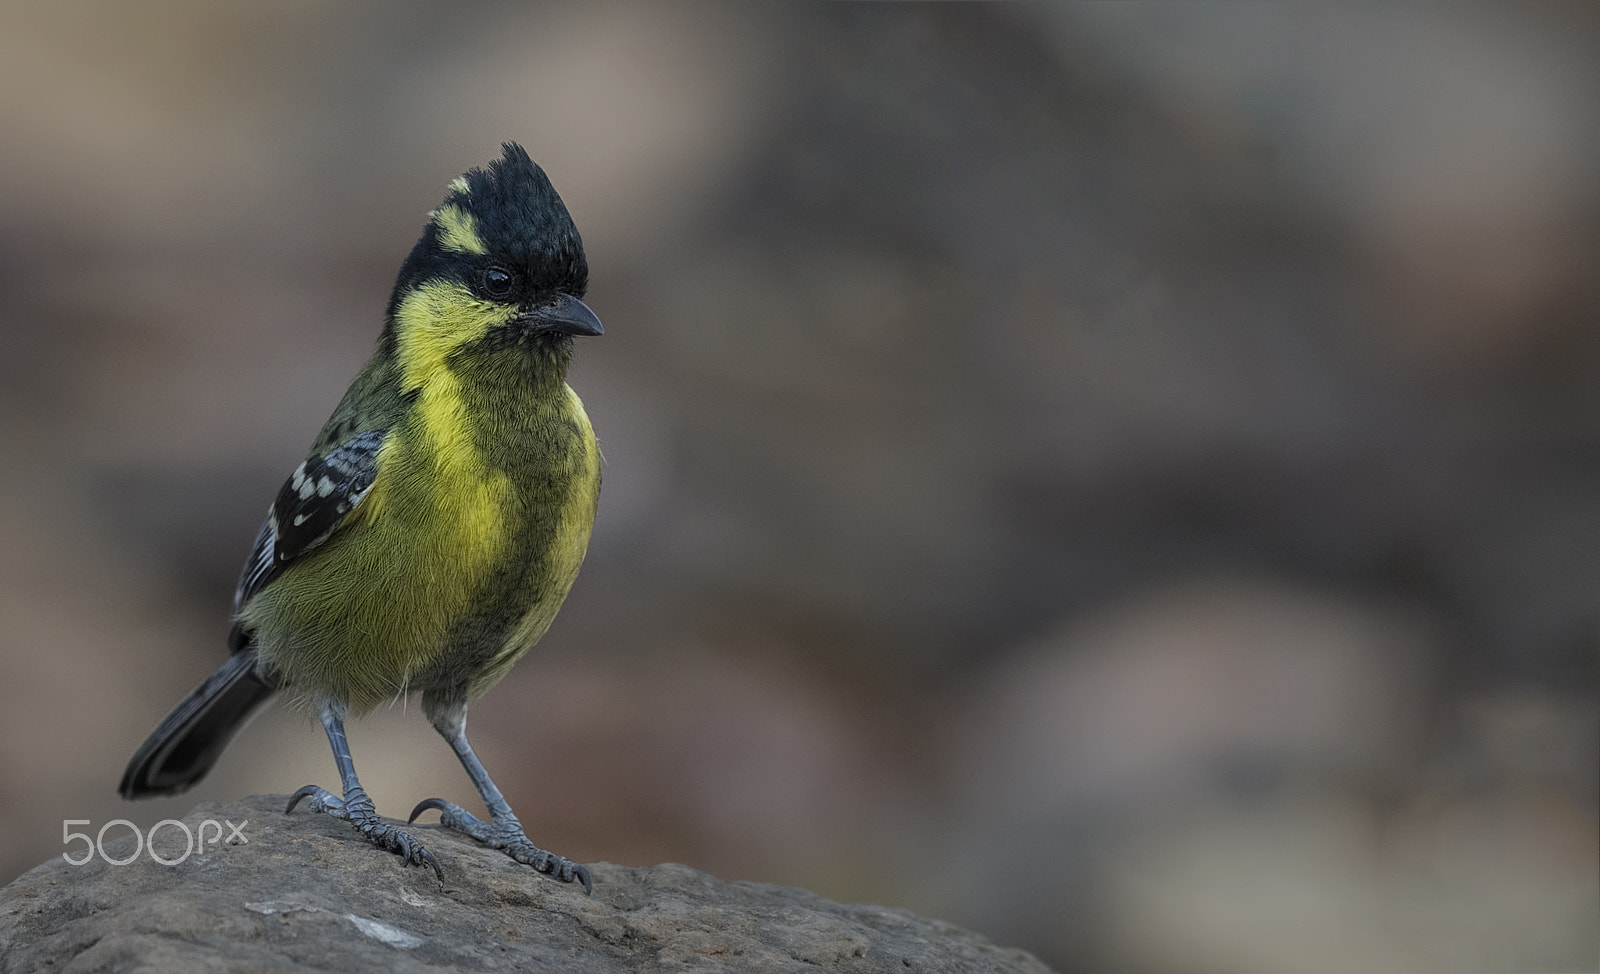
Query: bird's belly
x=359 y=619
x=442 y=593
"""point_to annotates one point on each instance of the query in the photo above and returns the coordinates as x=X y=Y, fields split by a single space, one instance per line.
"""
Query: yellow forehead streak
x=457 y=230
x=459 y=185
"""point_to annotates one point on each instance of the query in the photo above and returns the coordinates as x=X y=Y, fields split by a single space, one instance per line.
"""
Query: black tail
x=180 y=751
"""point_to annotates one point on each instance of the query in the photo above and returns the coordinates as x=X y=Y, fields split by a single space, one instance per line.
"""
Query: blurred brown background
x=1124 y=479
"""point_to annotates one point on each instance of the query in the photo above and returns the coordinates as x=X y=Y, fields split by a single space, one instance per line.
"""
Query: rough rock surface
x=303 y=894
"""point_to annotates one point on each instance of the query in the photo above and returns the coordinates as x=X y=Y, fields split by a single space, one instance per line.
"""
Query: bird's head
x=500 y=265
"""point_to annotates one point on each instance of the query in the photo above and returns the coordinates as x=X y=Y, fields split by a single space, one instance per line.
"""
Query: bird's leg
x=355 y=807
x=503 y=830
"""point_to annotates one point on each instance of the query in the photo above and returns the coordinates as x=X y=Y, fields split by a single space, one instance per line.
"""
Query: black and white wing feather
x=314 y=502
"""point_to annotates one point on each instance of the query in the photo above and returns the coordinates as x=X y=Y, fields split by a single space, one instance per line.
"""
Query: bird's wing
x=316 y=499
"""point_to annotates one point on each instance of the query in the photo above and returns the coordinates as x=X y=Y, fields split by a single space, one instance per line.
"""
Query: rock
x=302 y=893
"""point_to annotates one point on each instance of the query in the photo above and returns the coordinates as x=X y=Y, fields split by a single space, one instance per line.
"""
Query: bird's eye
x=497 y=281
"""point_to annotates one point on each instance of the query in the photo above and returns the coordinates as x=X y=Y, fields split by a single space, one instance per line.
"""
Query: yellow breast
x=440 y=539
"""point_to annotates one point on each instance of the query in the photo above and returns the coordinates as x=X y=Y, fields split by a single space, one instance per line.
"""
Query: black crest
x=522 y=222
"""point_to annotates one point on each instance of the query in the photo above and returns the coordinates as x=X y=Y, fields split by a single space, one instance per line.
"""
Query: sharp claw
x=302 y=793
x=424 y=805
x=430 y=860
x=506 y=834
x=356 y=808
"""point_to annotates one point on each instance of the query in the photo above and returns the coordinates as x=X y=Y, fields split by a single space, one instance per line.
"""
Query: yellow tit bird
x=435 y=527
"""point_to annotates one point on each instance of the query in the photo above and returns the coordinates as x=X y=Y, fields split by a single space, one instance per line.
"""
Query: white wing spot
x=324 y=487
x=299 y=519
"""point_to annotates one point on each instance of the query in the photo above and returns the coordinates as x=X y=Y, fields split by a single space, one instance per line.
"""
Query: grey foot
x=357 y=809
x=505 y=834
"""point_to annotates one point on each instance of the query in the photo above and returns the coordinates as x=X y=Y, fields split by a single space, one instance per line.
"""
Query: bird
x=435 y=526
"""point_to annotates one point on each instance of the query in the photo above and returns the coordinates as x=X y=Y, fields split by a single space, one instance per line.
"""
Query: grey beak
x=566 y=315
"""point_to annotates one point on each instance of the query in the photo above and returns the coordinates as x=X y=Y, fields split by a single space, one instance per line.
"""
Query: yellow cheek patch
x=435 y=320
x=458 y=231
